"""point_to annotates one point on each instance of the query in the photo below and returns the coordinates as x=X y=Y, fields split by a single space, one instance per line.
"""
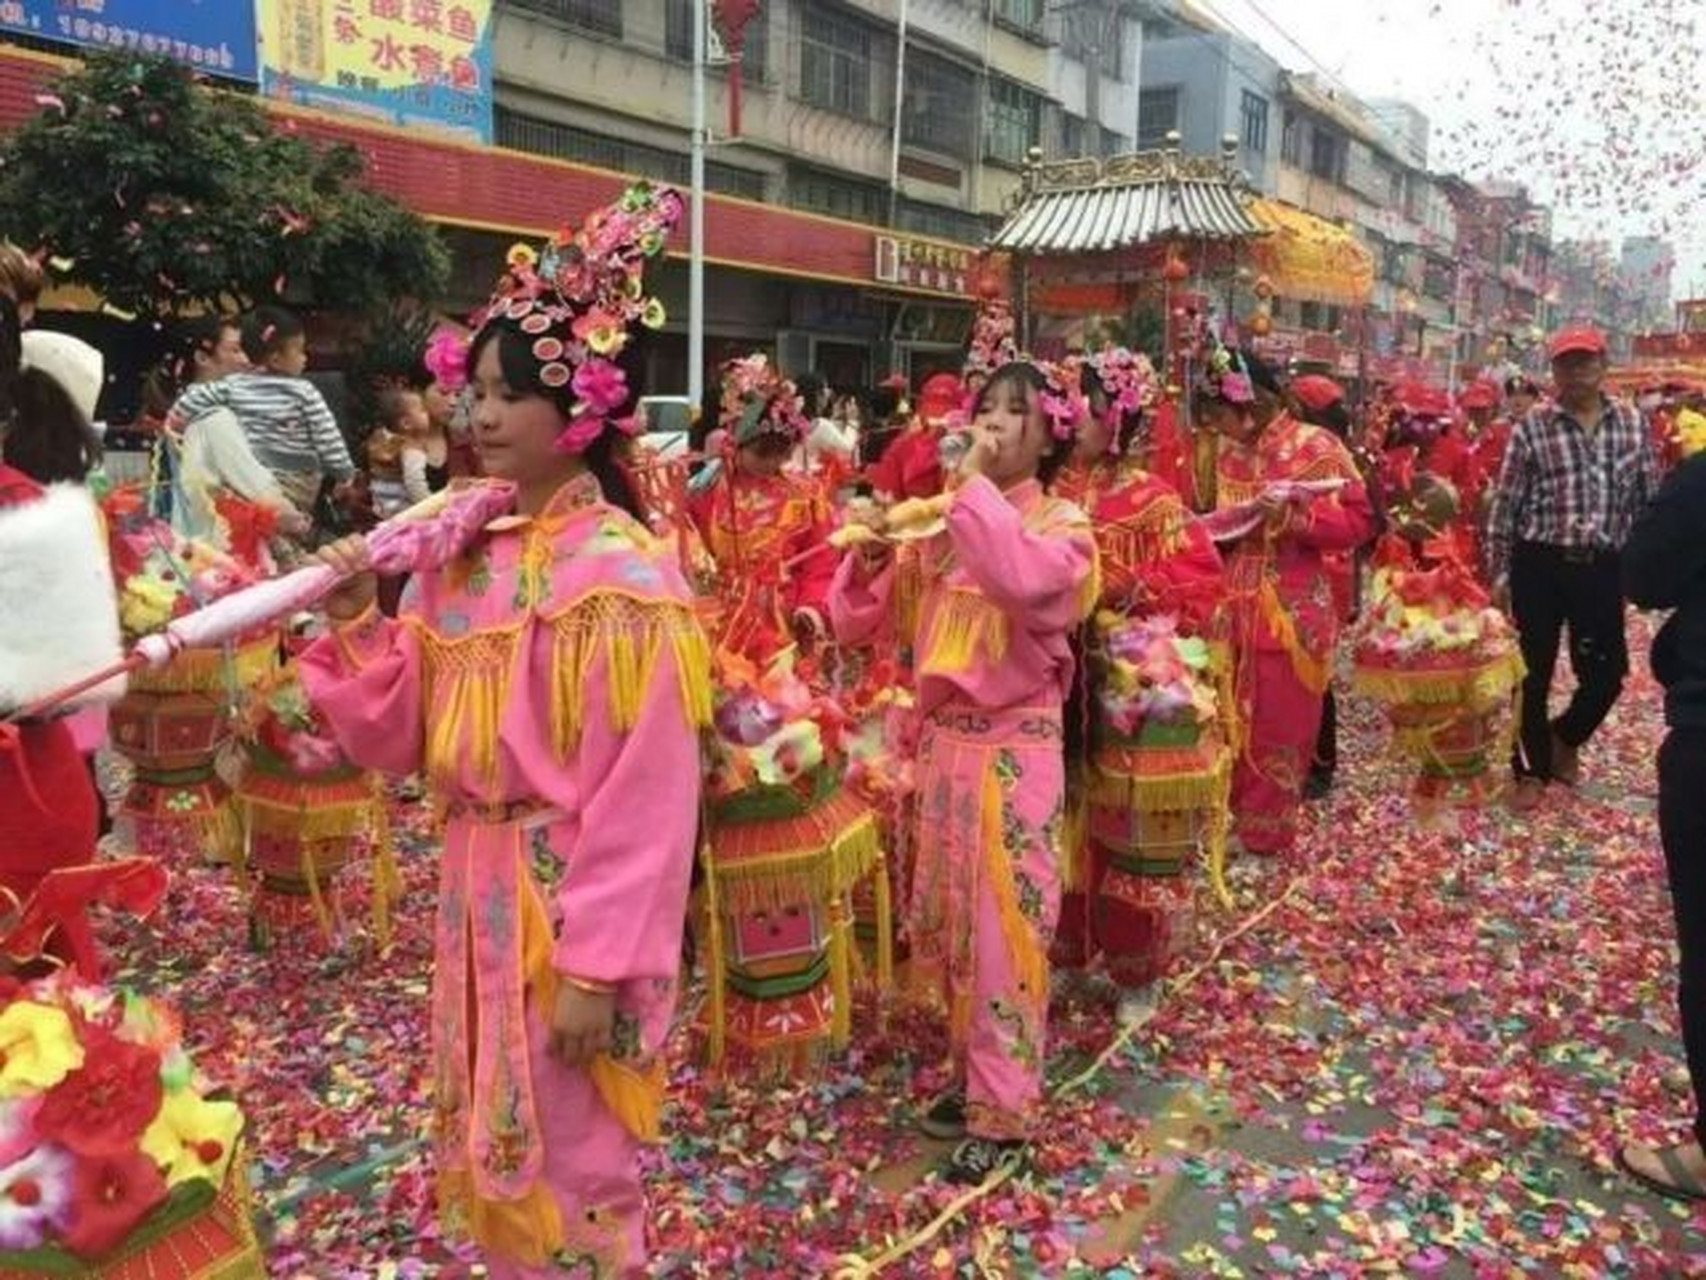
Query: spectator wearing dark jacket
x=1664 y=567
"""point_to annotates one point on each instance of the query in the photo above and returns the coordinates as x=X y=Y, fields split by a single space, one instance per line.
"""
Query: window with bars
x=1014 y=121
x=601 y=16
x=1024 y=14
x=940 y=96
x=1253 y=122
x=565 y=142
x=1327 y=155
x=1114 y=143
x=1157 y=116
x=1291 y=140
x=1071 y=135
x=943 y=223
x=835 y=61
x=678 y=39
x=1090 y=34
x=839 y=197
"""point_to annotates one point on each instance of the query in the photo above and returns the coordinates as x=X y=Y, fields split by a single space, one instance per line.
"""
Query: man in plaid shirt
x=1577 y=473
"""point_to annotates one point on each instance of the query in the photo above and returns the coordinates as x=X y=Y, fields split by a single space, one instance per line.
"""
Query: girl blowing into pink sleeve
x=1003 y=587
x=549 y=684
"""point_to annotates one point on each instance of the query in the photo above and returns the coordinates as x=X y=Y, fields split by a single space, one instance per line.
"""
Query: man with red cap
x=1577 y=473
x=911 y=466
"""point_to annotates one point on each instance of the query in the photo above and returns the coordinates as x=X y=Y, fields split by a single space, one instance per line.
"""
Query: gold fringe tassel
x=964 y=627
x=628 y=634
x=1469 y=686
x=1030 y=960
x=205 y=670
x=1311 y=672
x=1075 y=834
x=467 y=689
x=1160 y=793
x=816 y=873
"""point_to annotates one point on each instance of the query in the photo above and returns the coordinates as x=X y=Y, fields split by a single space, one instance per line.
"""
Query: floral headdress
x=993 y=343
x=1225 y=376
x=579 y=296
x=1129 y=381
x=446 y=358
x=759 y=401
x=1065 y=406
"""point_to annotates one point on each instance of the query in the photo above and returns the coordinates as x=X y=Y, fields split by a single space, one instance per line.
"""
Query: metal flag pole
x=696 y=219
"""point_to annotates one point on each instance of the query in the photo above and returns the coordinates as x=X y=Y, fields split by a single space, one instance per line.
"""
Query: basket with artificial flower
x=786 y=843
x=1440 y=659
x=116 y=1160
x=174 y=719
x=308 y=814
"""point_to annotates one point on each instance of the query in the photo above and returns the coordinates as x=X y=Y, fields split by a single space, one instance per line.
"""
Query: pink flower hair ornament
x=758 y=401
x=1065 y=406
x=1128 y=380
x=446 y=358
x=579 y=299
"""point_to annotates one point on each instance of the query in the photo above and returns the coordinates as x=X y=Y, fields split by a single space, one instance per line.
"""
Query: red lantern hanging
x=1175 y=271
x=1261 y=324
x=732 y=18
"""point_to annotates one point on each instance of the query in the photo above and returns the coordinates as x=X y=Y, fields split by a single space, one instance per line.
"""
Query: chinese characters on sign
x=215 y=36
x=922 y=264
x=408 y=62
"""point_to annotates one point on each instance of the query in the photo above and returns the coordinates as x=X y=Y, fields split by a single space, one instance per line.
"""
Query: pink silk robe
x=1001 y=592
x=1283 y=619
x=549 y=683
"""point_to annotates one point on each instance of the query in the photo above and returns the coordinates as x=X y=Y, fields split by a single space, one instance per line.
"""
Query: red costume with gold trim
x=1282 y=619
x=769 y=537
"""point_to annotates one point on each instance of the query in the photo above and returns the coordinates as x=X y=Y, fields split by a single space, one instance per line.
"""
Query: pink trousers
x=1267 y=786
x=986 y=897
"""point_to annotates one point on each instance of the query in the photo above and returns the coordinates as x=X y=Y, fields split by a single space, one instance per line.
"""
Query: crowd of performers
x=1004 y=699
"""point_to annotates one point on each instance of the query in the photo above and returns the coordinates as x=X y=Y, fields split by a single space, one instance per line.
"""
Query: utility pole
x=696 y=218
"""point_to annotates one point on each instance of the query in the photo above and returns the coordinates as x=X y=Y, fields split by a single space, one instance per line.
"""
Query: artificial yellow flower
x=193 y=1137
x=521 y=255
x=38 y=1048
x=146 y=604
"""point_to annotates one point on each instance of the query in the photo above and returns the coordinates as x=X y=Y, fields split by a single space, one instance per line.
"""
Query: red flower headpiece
x=993 y=343
x=757 y=400
x=578 y=298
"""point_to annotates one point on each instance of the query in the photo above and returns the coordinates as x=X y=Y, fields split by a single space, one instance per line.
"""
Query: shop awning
x=1090 y=206
x=1310 y=259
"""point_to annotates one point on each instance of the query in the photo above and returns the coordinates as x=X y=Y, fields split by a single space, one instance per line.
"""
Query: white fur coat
x=58 y=608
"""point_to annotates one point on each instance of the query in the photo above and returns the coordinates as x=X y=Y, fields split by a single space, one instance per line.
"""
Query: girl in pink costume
x=549 y=684
x=1003 y=588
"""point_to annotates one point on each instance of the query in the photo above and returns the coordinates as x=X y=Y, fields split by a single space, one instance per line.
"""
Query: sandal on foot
x=1682 y=1184
x=976 y=1160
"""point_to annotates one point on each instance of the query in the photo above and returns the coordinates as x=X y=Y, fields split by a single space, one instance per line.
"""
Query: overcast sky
x=1598 y=105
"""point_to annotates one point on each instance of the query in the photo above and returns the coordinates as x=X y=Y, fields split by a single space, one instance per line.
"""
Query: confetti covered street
x=1406 y=1054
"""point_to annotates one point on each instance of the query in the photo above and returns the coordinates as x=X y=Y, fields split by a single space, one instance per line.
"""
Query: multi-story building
x=880 y=141
x=826 y=131
x=1507 y=278
x=1646 y=268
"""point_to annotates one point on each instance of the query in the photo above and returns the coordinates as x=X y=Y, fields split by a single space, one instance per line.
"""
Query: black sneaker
x=977 y=1159
x=946 y=1119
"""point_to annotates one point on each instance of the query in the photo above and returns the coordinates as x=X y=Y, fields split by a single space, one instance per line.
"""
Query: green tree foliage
x=161 y=194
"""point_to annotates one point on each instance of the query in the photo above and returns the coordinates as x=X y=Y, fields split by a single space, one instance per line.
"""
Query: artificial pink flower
x=601 y=387
x=35 y=1196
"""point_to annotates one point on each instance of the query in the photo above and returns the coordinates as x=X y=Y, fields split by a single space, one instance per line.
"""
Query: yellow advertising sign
x=409 y=62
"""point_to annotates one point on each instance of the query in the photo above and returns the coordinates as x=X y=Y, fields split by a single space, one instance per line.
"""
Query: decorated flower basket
x=786 y=843
x=171 y=725
x=308 y=815
x=173 y=720
x=115 y=1161
x=1444 y=666
x=1161 y=761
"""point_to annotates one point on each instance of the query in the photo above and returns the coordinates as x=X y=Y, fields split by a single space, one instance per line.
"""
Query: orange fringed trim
x=1075 y=833
x=1311 y=672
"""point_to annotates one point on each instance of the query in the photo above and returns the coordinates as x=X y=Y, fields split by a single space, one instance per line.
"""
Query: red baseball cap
x=1576 y=338
x=1315 y=392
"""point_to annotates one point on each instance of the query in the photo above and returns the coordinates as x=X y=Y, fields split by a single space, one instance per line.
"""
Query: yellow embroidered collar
x=574 y=496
